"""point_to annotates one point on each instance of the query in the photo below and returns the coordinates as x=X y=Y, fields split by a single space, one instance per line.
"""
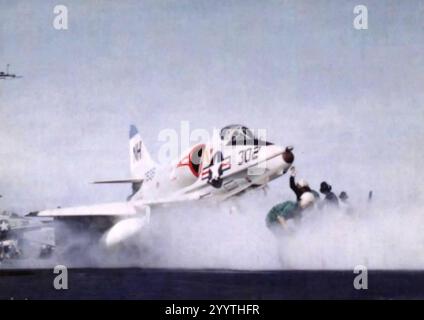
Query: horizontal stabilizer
x=119 y=181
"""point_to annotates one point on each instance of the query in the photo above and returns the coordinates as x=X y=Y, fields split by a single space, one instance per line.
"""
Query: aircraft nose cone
x=288 y=155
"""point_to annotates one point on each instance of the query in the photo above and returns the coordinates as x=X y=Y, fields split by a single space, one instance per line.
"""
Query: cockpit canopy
x=237 y=134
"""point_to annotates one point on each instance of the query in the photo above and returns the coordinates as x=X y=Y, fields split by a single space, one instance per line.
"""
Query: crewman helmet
x=302 y=183
x=343 y=195
x=306 y=200
x=325 y=187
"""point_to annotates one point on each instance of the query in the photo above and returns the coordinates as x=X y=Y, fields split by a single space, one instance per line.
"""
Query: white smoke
x=216 y=237
x=379 y=238
x=352 y=109
x=233 y=235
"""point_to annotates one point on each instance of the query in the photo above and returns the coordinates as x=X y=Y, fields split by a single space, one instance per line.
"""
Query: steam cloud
x=212 y=236
x=350 y=102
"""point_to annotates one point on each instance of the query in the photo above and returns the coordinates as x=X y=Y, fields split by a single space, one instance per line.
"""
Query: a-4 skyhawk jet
x=215 y=170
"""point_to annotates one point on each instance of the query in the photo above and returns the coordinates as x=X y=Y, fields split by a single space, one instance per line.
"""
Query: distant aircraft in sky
x=6 y=75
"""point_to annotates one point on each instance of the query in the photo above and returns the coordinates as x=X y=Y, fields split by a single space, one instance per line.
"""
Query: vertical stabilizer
x=140 y=159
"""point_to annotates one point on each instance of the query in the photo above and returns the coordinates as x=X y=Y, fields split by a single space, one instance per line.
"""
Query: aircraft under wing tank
x=224 y=167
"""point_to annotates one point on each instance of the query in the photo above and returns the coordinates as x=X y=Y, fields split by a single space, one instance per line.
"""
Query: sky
x=350 y=101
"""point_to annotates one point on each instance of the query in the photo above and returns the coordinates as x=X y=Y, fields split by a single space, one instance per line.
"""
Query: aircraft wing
x=28 y=227
x=174 y=199
x=112 y=209
x=105 y=209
